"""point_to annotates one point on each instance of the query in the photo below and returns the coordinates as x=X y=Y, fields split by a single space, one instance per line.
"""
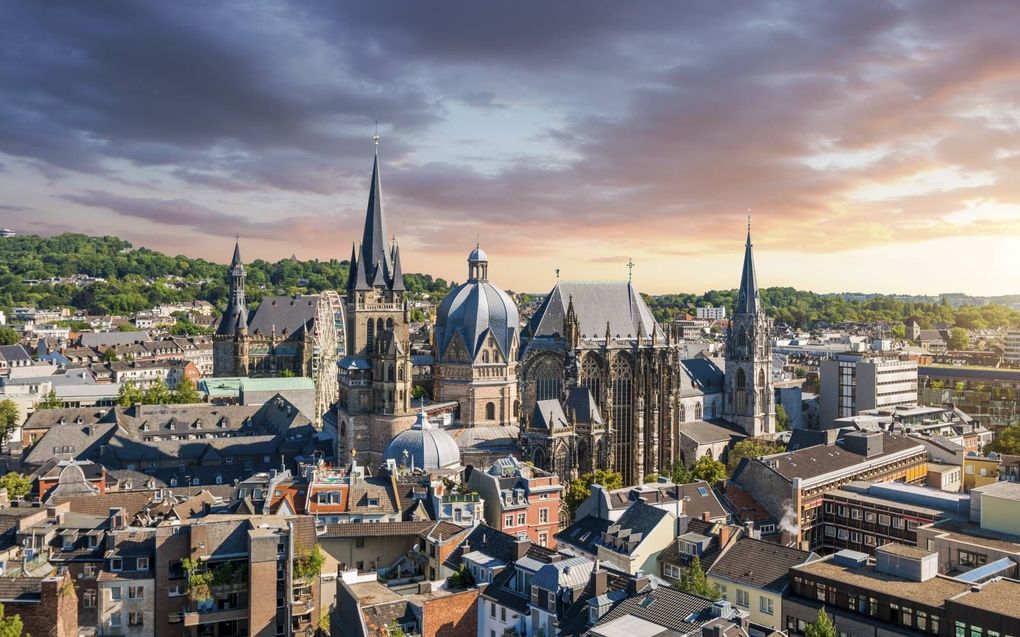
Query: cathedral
x=375 y=375
x=477 y=338
x=603 y=386
x=283 y=335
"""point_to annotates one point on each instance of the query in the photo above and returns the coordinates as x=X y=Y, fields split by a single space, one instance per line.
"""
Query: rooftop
x=1000 y=596
x=932 y=592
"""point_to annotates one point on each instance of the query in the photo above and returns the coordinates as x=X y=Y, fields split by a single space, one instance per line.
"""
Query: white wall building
x=711 y=313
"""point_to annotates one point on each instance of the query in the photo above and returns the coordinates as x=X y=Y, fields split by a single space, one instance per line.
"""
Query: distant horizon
x=875 y=145
x=247 y=258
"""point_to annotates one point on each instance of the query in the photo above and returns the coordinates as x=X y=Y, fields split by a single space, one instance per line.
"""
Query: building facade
x=476 y=344
x=375 y=375
x=285 y=334
x=852 y=383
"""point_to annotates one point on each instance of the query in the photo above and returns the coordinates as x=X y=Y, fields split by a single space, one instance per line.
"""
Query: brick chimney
x=637 y=583
x=600 y=582
x=724 y=535
x=706 y=515
x=521 y=546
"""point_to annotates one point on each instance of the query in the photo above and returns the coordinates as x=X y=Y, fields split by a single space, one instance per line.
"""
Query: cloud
x=562 y=132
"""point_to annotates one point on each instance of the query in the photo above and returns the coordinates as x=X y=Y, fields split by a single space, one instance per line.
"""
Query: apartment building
x=1012 y=347
x=519 y=499
x=851 y=383
x=791 y=486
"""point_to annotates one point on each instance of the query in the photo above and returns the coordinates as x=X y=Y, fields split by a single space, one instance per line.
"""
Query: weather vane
x=630 y=269
x=375 y=137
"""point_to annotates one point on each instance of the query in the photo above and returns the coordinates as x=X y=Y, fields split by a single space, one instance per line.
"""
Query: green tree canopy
x=129 y=394
x=10 y=418
x=709 y=470
x=1006 y=441
x=822 y=626
x=157 y=393
x=10 y=625
x=578 y=490
x=694 y=581
x=753 y=448
x=18 y=485
x=959 y=338
x=9 y=336
x=782 y=420
x=186 y=393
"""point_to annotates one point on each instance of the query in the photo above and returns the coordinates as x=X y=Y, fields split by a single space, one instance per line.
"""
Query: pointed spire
x=352 y=270
x=373 y=243
x=235 y=317
x=747 y=300
x=397 y=284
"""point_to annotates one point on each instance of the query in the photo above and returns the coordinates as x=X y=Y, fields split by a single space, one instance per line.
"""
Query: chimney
x=521 y=546
x=724 y=535
x=601 y=582
x=637 y=583
x=706 y=515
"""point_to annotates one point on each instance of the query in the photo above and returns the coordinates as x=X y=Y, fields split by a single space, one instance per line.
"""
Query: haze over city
x=876 y=144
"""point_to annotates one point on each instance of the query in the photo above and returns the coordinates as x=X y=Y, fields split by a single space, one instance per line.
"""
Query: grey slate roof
x=571 y=572
x=586 y=408
x=759 y=564
x=747 y=298
x=549 y=415
x=109 y=339
x=286 y=315
x=595 y=304
x=474 y=310
x=667 y=607
x=585 y=533
x=704 y=376
x=706 y=432
x=14 y=353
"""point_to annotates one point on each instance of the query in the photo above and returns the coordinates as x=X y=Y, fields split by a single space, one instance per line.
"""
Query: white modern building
x=1013 y=346
x=851 y=383
x=711 y=313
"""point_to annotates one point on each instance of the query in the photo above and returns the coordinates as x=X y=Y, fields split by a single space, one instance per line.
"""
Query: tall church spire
x=235 y=317
x=747 y=300
x=374 y=255
x=352 y=269
x=397 y=284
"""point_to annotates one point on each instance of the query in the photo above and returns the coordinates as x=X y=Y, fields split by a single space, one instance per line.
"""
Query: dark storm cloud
x=666 y=119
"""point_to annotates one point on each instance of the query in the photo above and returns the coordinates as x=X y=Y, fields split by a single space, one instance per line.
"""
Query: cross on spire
x=630 y=269
x=375 y=137
x=748 y=221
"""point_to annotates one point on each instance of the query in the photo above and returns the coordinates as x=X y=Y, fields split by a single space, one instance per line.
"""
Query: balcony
x=214 y=616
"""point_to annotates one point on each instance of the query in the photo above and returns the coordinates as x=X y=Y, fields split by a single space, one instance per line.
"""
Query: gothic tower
x=749 y=396
x=229 y=342
x=376 y=372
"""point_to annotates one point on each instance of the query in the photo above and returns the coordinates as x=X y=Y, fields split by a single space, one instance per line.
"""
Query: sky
x=877 y=145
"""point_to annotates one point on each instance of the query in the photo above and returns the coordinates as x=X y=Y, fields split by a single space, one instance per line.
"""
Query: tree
x=50 y=401
x=9 y=419
x=126 y=327
x=753 y=448
x=782 y=420
x=186 y=392
x=694 y=581
x=578 y=490
x=286 y=373
x=17 y=485
x=959 y=338
x=308 y=564
x=157 y=393
x=1006 y=441
x=822 y=626
x=709 y=470
x=9 y=336
x=109 y=355
x=129 y=394
x=679 y=473
x=10 y=626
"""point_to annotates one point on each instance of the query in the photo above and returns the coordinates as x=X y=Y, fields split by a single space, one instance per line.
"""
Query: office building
x=852 y=383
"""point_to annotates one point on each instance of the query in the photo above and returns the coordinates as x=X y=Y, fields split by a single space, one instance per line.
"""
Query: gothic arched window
x=591 y=375
x=561 y=462
x=697 y=411
x=370 y=334
x=714 y=414
x=490 y=411
x=485 y=356
x=740 y=400
x=683 y=413
x=623 y=415
x=548 y=377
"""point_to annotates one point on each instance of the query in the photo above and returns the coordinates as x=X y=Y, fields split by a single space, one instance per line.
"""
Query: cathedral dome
x=424 y=447
x=476 y=309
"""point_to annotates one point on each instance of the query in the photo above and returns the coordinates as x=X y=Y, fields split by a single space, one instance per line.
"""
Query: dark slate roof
x=586 y=408
x=671 y=554
x=640 y=518
x=14 y=353
x=666 y=607
x=704 y=376
x=758 y=564
x=375 y=265
x=473 y=311
x=83 y=442
x=488 y=540
x=596 y=303
x=548 y=414
x=498 y=591
x=20 y=589
x=584 y=533
x=819 y=460
x=287 y=315
x=747 y=298
x=705 y=432
x=698 y=497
